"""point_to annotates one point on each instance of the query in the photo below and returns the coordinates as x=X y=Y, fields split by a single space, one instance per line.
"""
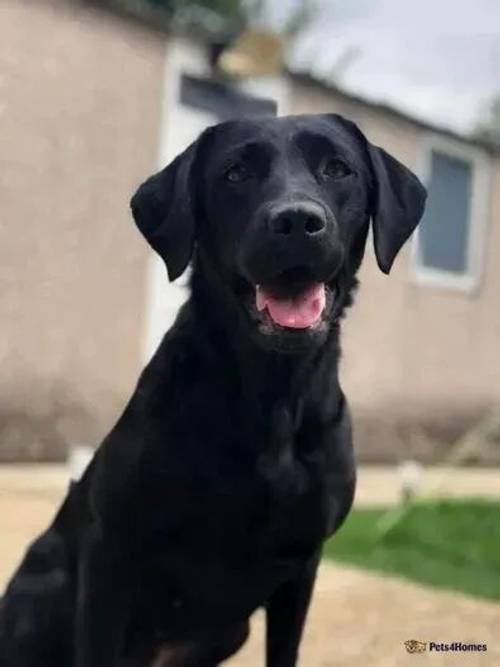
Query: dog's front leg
x=286 y=614
x=101 y=613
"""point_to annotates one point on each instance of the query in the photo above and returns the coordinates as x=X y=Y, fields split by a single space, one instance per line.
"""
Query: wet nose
x=300 y=219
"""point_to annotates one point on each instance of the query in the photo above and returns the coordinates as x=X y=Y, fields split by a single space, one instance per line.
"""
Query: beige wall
x=80 y=94
x=415 y=356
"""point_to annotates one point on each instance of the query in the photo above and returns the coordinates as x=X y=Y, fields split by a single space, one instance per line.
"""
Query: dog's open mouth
x=294 y=309
x=302 y=309
x=292 y=305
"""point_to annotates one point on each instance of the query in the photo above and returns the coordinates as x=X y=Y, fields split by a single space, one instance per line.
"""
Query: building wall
x=80 y=97
x=415 y=358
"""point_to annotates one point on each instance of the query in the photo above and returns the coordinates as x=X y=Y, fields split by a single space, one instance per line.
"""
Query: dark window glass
x=444 y=232
x=222 y=99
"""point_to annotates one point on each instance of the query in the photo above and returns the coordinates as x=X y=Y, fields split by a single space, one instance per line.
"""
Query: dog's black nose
x=300 y=219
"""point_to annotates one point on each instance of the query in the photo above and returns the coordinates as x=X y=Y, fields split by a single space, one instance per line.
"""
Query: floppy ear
x=397 y=205
x=164 y=212
x=397 y=202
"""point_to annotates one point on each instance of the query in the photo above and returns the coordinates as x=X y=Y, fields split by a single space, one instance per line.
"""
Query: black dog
x=233 y=461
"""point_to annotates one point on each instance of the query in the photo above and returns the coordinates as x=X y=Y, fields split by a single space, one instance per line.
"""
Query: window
x=449 y=245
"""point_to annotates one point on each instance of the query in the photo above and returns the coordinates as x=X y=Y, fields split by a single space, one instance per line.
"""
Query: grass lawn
x=451 y=544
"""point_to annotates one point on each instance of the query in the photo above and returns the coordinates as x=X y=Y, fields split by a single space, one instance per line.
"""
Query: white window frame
x=480 y=209
x=178 y=126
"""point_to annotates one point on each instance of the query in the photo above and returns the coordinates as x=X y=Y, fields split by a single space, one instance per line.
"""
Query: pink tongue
x=301 y=312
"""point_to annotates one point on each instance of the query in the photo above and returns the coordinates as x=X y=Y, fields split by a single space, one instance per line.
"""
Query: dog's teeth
x=260 y=299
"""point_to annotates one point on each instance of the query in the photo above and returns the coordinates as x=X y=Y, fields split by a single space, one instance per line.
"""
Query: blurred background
x=94 y=97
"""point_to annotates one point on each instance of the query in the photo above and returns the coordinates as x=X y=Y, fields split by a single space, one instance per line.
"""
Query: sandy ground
x=356 y=620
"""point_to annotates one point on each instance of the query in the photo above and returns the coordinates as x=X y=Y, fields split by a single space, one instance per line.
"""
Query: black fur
x=233 y=461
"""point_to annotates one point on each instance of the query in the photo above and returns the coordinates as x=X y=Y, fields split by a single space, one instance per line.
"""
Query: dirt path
x=357 y=619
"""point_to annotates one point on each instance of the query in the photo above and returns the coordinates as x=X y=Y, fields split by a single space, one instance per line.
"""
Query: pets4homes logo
x=416 y=646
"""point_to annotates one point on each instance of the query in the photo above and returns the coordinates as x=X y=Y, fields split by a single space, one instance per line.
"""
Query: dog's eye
x=336 y=168
x=237 y=173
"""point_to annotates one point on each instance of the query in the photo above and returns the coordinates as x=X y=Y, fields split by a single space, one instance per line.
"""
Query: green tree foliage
x=488 y=126
x=215 y=18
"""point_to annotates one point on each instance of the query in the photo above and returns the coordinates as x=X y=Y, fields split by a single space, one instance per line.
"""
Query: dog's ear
x=398 y=203
x=397 y=199
x=163 y=209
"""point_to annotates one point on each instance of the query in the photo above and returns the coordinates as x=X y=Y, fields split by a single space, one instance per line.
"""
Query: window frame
x=480 y=210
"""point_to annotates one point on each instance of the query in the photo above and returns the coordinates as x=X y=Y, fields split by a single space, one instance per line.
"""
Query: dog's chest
x=241 y=534
x=295 y=510
x=241 y=525
x=244 y=492
x=272 y=503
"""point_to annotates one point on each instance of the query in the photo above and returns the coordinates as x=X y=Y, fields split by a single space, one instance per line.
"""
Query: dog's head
x=278 y=210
